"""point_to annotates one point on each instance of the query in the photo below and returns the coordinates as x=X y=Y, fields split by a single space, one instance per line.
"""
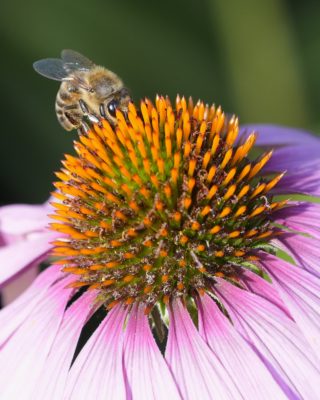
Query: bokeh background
x=259 y=59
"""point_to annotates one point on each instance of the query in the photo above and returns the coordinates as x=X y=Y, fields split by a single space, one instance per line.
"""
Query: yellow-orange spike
x=160 y=164
x=215 y=144
x=244 y=172
x=260 y=164
x=212 y=192
x=226 y=158
x=75 y=270
x=179 y=137
x=243 y=191
x=241 y=210
x=230 y=192
x=108 y=282
x=187 y=202
x=215 y=229
x=144 y=112
x=192 y=166
x=243 y=150
x=211 y=173
x=191 y=184
x=258 y=190
x=270 y=185
x=219 y=253
x=229 y=176
x=206 y=160
x=176 y=160
x=167 y=191
x=234 y=234
x=251 y=233
x=112 y=304
x=76 y=284
x=199 y=142
x=226 y=211
x=265 y=234
x=187 y=149
x=257 y=211
x=205 y=211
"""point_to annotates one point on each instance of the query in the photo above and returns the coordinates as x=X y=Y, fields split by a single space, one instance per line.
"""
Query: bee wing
x=74 y=61
x=51 y=68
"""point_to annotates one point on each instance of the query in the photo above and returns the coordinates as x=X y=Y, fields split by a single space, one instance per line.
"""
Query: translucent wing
x=51 y=68
x=74 y=61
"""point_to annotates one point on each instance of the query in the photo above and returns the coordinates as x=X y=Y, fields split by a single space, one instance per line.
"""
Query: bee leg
x=83 y=106
x=84 y=128
x=102 y=111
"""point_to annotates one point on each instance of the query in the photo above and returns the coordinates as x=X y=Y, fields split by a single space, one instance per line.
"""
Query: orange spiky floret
x=160 y=204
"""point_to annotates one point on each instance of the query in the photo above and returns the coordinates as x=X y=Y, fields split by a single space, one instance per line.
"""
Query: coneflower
x=169 y=233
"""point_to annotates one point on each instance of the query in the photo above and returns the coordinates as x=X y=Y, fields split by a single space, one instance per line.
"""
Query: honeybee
x=86 y=89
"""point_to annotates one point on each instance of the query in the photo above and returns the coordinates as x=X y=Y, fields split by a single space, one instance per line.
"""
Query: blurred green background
x=258 y=59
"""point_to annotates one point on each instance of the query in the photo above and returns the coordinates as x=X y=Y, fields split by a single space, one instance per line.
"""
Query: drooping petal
x=20 y=220
x=53 y=378
x=147 y=373
x=13 y=315
x=24 y=355
x=248 y=372
x=19 y=255
x=276 y=339
x=97 y=372
x=276 y=135
x=300 y=291
x=197 y=371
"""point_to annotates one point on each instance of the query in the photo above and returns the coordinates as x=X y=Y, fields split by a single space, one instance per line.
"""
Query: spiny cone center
x=161 y=204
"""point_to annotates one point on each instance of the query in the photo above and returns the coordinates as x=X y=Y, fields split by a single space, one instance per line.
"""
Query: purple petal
x=300 y=291
x=275 y=135
x=197 y=371
x=54 y=375
x=249 y=373
x=97 y=372
x=291 y=158
x=306 y=180
x=24 y=355
x=20 y=255
x=147 y=373
x=275 y=338
x=303 y=217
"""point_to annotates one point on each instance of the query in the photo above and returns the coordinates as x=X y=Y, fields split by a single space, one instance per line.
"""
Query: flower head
x=159 y=206
x=168 y=226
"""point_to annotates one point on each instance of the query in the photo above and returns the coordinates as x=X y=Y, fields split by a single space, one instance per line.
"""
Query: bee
x=86 y=89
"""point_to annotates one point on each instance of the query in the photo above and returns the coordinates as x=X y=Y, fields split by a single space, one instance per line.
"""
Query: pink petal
x=276 y=339
x=13 y=289
x=17 y=256
x=97 y=372
x=148 y=374
x=197 y=371
x=300 y=291
x=304 y=250
x=19 y=221
x=24 y=355
x=53 y=378
x=13 y=315
x=248 y=372
x=261 y=287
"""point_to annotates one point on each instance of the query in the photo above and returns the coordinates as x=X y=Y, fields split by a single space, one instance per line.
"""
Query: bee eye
x=112 y=106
